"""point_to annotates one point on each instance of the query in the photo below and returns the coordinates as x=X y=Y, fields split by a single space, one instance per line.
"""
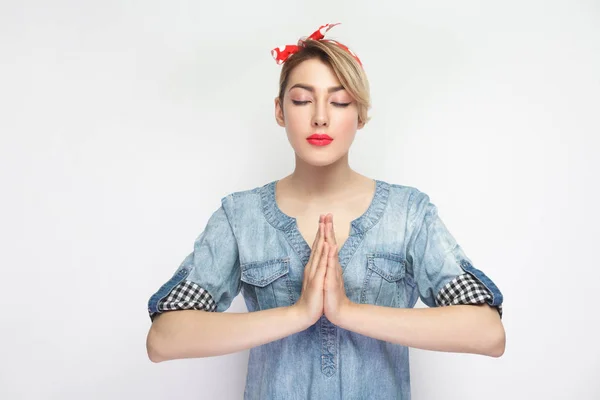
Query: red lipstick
x=319 y=139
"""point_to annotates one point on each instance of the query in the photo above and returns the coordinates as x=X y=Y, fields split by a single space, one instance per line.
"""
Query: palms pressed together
x=334 y=293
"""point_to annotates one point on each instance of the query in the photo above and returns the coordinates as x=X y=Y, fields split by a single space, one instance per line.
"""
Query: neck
x=327 y=182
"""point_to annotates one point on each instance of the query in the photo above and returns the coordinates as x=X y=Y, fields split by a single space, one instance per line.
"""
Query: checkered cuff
x=186 y=296
x=465 y=289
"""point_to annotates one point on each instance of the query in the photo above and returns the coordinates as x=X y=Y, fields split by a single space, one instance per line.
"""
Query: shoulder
x=245 y=201
x=242 y=195
x=409 y=202
x=402 y=194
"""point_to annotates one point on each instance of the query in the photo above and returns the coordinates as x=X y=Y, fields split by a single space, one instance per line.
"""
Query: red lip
x=319 y=136
x=318 y=139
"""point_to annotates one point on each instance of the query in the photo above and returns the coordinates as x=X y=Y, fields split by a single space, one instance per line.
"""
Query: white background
x=123 y=123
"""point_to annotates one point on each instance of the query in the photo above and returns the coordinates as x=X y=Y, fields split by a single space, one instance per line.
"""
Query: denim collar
x=359 y=226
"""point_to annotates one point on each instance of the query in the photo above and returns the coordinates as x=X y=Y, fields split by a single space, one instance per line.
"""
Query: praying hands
x=323 y=289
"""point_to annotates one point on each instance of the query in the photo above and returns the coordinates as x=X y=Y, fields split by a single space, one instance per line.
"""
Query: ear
x=360 y=124
x=279 y=113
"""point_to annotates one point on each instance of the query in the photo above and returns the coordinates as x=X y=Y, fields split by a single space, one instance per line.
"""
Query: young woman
x=330 y=314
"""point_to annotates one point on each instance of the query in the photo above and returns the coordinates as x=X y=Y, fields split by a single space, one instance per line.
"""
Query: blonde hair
x=348 y=71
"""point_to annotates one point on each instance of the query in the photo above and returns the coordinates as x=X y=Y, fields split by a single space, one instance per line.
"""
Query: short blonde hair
x=348 y=71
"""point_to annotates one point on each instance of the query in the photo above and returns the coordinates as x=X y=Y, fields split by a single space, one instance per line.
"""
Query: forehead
x=314 y=72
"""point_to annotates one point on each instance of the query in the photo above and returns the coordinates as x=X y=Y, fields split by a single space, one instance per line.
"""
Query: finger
x=328 y=232
x=318 y=232
x=332 y=231
x=336 y=267
x=330 y=235
x=331 y=262
x=308 y=268
x=324 y=262
x=315 y=249
x=329 y=272
x=327 y=229
x=315 y=243
x=318 y=250
x=330 y=256
x=322 y=259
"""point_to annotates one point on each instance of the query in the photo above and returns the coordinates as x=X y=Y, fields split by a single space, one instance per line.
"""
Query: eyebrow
x=312 y=89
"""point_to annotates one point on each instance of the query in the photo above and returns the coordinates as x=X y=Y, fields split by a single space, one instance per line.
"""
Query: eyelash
x=301 y=103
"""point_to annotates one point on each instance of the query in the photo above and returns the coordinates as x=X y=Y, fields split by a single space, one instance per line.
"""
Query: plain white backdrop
x=123 y=124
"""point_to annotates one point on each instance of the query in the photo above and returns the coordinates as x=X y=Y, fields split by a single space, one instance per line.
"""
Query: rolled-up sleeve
x=209 y=277
x=442 y=271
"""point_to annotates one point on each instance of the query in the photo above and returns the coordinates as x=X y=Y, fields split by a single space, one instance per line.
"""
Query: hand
x=335 y=299
x=310 y=303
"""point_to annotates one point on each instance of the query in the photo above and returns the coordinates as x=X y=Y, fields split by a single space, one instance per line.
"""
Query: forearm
x=194 y=333
x=461 y=328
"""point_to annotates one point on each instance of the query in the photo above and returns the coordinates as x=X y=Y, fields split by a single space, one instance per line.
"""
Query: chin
x=318 y=160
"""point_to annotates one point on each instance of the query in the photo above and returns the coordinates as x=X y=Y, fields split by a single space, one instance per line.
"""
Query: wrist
x=299 y=318
x=344 y=314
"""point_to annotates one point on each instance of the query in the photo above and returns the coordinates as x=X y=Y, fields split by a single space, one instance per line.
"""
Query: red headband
x=282 y=53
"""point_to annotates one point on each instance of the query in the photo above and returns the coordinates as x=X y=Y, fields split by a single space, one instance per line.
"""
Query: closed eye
x=301 y=103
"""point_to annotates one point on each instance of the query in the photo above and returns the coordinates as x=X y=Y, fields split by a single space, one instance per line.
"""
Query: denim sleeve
x=442 y=271
x=209 y=277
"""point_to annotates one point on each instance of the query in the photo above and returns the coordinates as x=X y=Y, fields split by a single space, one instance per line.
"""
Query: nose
x=320 y=117
x=319 y=122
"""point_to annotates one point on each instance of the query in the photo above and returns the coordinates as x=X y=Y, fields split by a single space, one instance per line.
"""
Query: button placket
x=329 y=347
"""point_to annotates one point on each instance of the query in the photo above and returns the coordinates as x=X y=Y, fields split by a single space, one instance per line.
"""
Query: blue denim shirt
x=399 y=250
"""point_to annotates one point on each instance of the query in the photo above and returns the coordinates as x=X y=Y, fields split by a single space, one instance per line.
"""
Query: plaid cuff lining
x=186 y=296
x=465 y=289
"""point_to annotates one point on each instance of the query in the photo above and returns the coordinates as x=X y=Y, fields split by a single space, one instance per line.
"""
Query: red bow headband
x=282 y=53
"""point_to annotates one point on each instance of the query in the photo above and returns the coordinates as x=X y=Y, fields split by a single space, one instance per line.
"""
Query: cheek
x=347 y=122
x=296 y=119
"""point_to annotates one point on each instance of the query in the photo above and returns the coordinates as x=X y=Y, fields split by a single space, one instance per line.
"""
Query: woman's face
x=314 y=102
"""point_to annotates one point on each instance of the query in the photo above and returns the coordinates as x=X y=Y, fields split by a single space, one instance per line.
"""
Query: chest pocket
x=270 y=282
x=386 y=282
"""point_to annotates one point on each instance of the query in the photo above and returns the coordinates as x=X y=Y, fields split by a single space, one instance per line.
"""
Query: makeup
x=319 y=139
